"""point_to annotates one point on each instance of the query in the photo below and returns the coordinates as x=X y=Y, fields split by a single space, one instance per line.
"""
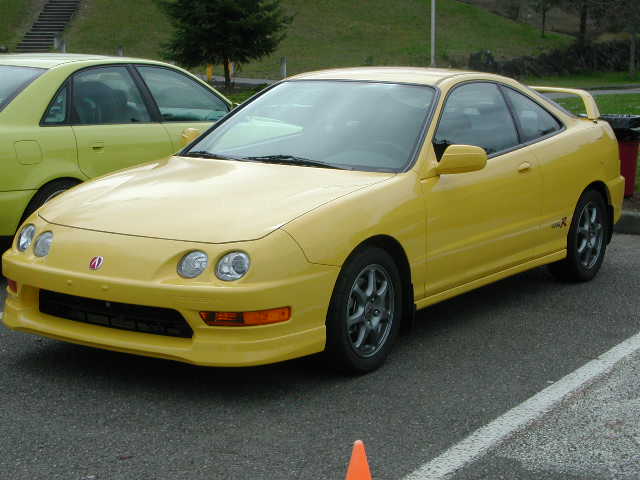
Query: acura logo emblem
x=96 y=263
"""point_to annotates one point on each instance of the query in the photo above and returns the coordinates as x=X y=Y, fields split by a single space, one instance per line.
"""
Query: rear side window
x=535 y=122
x=180 y=98
x=107 y=95
x=15 y=79
x=57 y=112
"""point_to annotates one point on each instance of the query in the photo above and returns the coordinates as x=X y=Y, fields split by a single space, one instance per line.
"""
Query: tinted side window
x=57 y=112
x=181 y=99
x=107 y=95
x=476 y=114
x=535 y=121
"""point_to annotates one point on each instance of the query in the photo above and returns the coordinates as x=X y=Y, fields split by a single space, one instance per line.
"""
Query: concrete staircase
x=53 y=19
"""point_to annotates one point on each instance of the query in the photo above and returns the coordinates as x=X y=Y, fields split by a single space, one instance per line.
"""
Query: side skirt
x=439 y=297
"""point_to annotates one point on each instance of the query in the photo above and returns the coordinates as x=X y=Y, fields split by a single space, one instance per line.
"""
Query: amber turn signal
x=13 y=285
x=239 y=319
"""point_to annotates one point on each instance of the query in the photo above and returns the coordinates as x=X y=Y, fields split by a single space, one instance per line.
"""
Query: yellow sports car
x=65 y=118
x=317 y=217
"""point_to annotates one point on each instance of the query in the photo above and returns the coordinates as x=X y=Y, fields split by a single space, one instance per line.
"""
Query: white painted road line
x=486 y=438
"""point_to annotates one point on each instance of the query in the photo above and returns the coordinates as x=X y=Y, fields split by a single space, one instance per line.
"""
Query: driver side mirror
x=462 y=159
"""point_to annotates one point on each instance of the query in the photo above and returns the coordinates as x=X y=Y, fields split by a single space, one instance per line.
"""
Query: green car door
x=113 y=125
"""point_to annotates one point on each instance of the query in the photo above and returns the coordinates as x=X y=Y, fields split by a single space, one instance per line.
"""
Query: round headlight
x=43 y=244
x=26 y=237
x=193 y=264
x=233 y=266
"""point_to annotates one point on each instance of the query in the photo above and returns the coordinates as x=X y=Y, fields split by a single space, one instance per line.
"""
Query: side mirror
x=189 y=135
x=462 y=159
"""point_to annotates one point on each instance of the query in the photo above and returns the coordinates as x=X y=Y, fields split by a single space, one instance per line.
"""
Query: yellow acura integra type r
x=317 y=217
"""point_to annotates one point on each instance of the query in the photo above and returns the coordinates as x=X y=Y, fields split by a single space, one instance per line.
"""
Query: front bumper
x=141 y=271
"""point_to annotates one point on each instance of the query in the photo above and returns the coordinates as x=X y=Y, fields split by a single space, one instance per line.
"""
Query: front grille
x=124 y=316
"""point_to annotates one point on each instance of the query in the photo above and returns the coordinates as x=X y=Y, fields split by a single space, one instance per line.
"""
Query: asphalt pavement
x=71 y=412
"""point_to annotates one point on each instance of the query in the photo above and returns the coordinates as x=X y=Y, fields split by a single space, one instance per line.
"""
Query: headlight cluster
x=42 y=245
x=232 y=266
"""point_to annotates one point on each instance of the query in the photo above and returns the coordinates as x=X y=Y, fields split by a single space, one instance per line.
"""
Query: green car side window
x=57 y=112
x=107 y=95
x=179 y=98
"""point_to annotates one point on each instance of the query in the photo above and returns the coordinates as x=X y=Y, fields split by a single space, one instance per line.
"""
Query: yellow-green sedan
x=317 y=217
x=67 y=118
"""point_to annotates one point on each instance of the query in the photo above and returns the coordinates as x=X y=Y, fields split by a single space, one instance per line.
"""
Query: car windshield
x=13 y=80
x=352 y=125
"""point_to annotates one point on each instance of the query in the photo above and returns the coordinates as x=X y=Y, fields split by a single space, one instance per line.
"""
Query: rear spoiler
x=593 y=113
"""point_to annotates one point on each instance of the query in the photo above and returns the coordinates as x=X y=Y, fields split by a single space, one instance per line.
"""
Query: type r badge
x=96 y=263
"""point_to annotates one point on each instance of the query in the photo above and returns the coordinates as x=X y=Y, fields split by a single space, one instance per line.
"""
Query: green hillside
x=327 y=33
x=15 y=18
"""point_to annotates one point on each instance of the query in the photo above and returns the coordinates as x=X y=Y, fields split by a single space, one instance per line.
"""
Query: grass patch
x=101 y=26
x=240 y=94
x=331 y=33
x=15 y=18
x=622 y=103
x=595 y=79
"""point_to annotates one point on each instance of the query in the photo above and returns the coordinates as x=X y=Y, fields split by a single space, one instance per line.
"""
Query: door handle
x=97 y=146
x=524 y=167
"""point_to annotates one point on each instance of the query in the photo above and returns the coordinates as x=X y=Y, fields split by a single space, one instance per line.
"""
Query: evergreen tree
x=223 y=31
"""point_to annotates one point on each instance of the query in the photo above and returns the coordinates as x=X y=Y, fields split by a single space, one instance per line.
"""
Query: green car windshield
x=13 y=80
x=354 y=125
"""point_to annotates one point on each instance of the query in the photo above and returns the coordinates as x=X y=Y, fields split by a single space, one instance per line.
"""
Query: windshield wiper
x=293 y=160
x=205 y=154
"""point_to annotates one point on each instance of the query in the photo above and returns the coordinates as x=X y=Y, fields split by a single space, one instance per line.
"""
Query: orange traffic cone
x=358 y=466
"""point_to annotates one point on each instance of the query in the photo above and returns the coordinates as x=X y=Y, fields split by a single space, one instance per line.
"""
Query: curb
x=629 y=223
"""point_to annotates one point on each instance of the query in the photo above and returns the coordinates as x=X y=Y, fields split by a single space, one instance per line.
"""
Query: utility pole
x=433 y=33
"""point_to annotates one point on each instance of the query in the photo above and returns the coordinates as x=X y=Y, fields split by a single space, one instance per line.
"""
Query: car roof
x=52 y=60
x=426 y=76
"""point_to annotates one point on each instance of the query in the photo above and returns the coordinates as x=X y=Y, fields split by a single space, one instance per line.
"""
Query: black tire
x=365 y=345
x=46 y=193
x=586 y=241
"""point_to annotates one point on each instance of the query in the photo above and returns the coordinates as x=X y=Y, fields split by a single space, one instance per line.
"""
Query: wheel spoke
x=362 y=296
x=362 y=335
x=383 y=288
x=587 y=257
x=371 y=283
x=356 y=317
x=582 y=246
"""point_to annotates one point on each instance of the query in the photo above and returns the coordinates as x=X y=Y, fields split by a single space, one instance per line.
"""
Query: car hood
x=201 y=200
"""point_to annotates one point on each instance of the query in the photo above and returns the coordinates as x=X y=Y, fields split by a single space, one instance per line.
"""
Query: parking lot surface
x=72 y=412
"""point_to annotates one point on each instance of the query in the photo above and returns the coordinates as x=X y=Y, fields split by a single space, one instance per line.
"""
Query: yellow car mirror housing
x=462 y=159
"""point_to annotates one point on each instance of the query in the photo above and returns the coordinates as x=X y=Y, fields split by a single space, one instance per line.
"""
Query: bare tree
x=621 y=16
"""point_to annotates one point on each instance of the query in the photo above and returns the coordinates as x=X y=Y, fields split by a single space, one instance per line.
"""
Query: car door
x=112 y=123
x=182 y=101
x=481 y=222
x=555 y=154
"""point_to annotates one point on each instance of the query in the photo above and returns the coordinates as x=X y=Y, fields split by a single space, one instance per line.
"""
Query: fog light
x=240 y=319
